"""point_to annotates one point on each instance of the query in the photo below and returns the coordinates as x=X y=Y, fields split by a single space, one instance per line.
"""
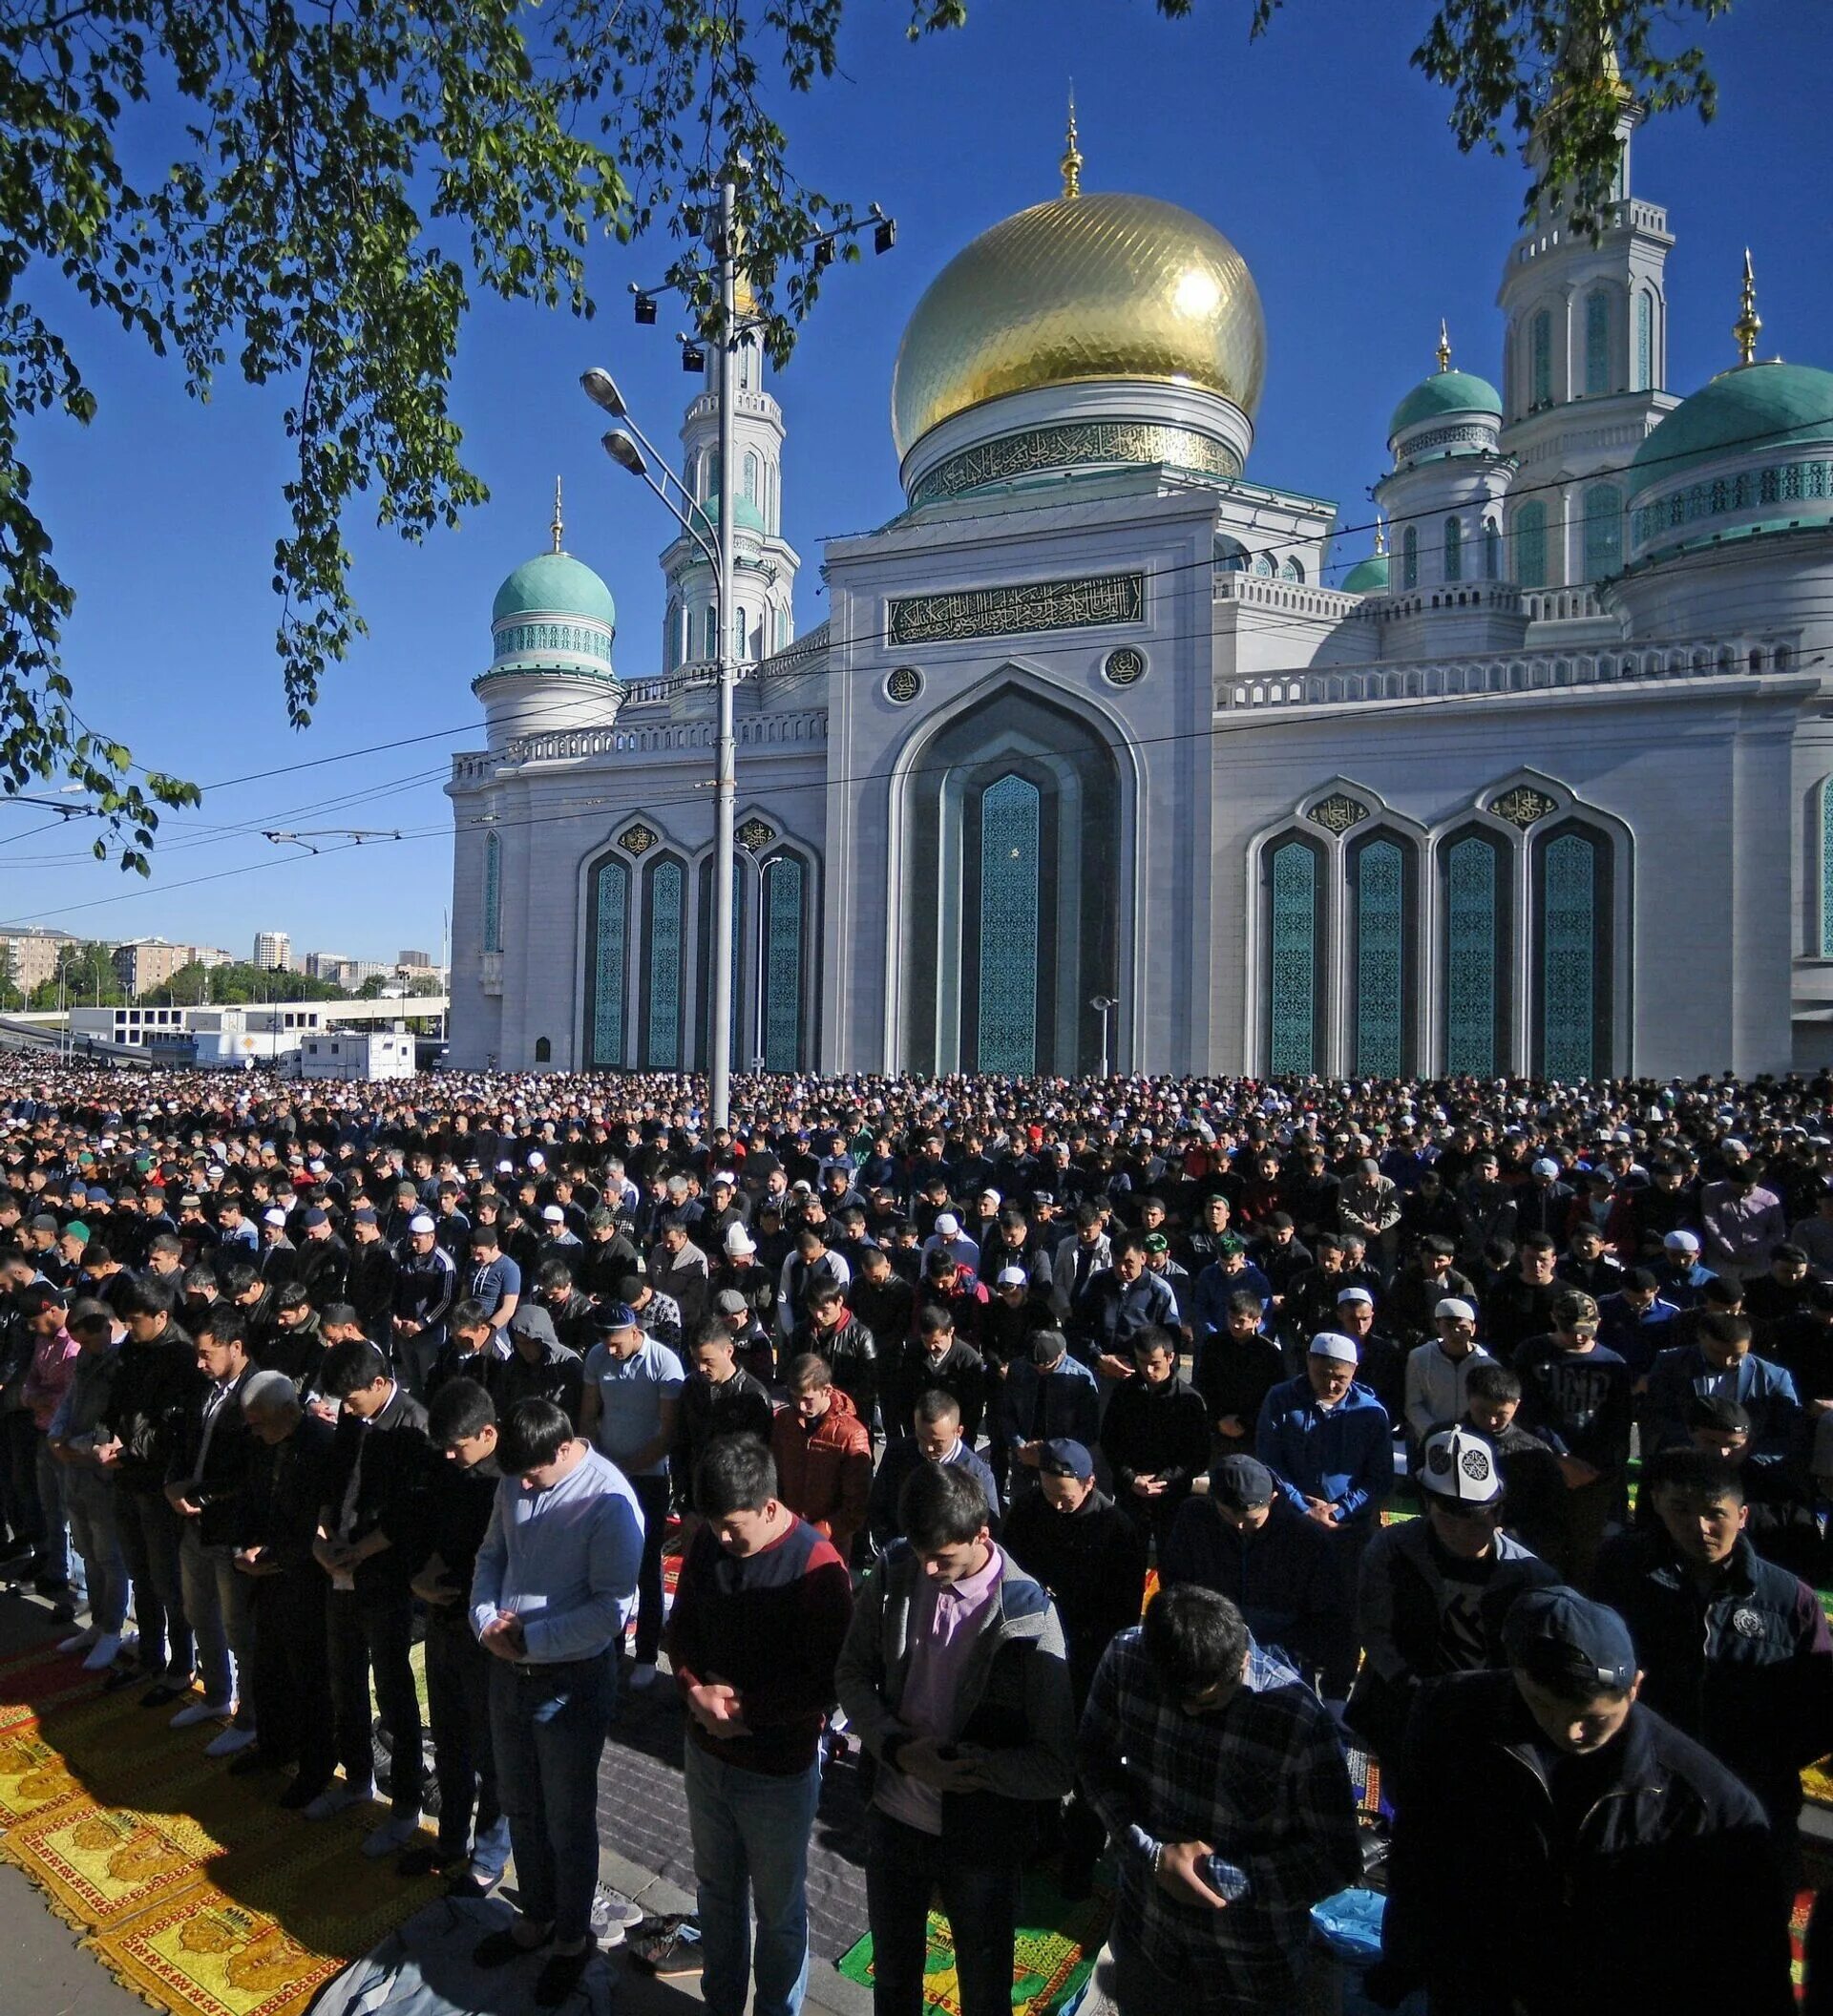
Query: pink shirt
x=947 y=1622
x=54 y=1365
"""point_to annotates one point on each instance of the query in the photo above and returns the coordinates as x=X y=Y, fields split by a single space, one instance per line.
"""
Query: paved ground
x=641 y=1813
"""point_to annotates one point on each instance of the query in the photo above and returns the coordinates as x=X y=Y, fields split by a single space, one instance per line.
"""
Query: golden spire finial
x=1749 y=325
x=1380 y=536
x=557 y=528
x=1444 y=347
x=1071 y=162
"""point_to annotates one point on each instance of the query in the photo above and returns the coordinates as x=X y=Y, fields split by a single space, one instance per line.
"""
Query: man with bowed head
x=756 y=1631
x=1560 y=1850
x=550 y=1596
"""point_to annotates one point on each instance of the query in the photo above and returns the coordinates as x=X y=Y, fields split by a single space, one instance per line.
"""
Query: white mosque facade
x=1547 y=788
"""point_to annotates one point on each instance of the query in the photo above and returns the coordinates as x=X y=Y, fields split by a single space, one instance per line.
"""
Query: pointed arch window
x=750 y=476
x=1603 y=530
x=1597 y=343
x=1410 y=558
x=1382 y=906
x=1540 y=392
x=1229 y=556
x=1572 y=882
x=1477 y=982
x=1294 y=958
x=607 y=928
x=1453 y=549
x=1644 y=342
x=782 y=628
x=492 y=893
x=1292 y=569
x=543 y=1049
x=784 y=962
x=1492 y=550
x=662 y=989
x=1010 y=833
x=1530 y=545
x=1827 y=870
x=1262 y=564
x=712 y=633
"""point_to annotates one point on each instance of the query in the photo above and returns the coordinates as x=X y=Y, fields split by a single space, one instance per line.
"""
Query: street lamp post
x=1103 y=1005
x=626 y=449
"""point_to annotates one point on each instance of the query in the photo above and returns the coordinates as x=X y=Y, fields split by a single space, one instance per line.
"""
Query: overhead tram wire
x=1244 y=722
x=1268 y=552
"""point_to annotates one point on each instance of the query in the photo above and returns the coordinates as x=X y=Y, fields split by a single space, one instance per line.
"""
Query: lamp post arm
x=680 y=518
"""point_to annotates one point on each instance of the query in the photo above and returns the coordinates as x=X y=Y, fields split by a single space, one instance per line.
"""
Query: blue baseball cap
x=1060 y=1456
x=608 y=1316
x=1564 y=1641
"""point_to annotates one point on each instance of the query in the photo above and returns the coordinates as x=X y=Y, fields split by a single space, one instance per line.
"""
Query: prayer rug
x=195 y=1890
x=1053 y=1956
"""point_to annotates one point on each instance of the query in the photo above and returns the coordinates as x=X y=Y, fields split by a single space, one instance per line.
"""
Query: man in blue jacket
x=1328 y=1441
x=1046 y=1397
x=1720 y=1363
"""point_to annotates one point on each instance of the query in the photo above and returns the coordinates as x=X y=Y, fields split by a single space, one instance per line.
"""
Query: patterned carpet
x=191 y=1886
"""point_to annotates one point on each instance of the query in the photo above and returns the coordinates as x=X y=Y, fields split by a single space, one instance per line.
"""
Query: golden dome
x=1085 y=288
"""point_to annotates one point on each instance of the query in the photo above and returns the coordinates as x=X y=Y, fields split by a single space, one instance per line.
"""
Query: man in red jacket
x=823 y=1452
x=760 y=1616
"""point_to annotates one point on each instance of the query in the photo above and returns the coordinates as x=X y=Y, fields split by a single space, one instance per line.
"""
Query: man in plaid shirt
x=1220 y=1779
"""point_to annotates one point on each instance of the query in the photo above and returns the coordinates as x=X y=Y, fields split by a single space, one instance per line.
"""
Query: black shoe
x=124 y=1676
x=302 y=1792
x=496 y=1949
x=472 y=1886
x=51 y=1585
x=559 y=1976
x=163 y=1693
x=249 y=1762
x=424 y=1860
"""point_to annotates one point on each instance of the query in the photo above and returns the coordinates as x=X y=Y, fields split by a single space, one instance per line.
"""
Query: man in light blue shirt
x=549 y=1599
x=631 y=1402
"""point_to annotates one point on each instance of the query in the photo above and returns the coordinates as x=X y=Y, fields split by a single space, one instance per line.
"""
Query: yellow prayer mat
x=193 y=1887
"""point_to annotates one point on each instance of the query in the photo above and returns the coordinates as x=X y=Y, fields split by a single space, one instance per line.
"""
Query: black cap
x=1718 y=1413
x=1564 y=1641
x=1241 y=1482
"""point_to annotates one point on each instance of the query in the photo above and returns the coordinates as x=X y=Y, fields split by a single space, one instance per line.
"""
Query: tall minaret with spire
x=1584 y=369
x=765 y=564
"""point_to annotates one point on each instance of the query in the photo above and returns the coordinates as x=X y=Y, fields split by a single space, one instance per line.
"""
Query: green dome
x=1753 y=409
x=555 y=585
x=1445 y=392
x=1367 y=577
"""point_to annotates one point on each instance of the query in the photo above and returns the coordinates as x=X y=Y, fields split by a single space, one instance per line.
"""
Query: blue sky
x=1316 y=150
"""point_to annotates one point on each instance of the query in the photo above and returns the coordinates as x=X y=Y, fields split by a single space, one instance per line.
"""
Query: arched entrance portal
x=1011 y=893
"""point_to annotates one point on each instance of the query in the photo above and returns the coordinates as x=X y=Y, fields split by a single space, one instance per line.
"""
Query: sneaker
x=613 y=1908
x=338 y=1797
x=393 y=1835
x=103 y=1652
x=201 y=1712
x=80 y=1641
x=232 y=1742
x=642 y=1675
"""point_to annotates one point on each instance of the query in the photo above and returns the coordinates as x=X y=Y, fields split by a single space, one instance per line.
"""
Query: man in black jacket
x=204 y=1483
x=719 y=1399
x=370 y=1281
x=473 y=1834
x=1091 y=1558
x=538 y=1366
x=939 y=1361
x=1735 y=1650
x=369 y=1528
x=1155 y=1437
x=1551 y=1831
x=156 y=1376
x=288 y=1480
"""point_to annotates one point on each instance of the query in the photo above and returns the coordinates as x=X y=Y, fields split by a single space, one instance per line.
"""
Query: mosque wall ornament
x=1090 y=600
x=1338 y=812
x=756 y=835
x=1523 y=806
x=1074 y=441
x=903 y=685
x=1125 y=668
x=637 y=839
